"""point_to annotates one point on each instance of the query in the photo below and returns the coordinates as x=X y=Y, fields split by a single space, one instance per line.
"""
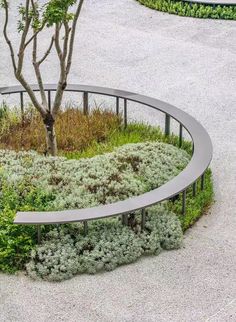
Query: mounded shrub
x=128 y=171
x=66 y=252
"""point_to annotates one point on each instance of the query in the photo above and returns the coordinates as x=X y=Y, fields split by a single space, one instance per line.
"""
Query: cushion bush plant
x=66 y=252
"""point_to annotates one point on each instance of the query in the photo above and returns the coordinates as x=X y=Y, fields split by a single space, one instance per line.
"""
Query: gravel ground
x=190 y=63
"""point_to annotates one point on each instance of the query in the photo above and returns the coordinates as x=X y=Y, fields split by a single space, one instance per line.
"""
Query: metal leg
x=125 y=113
x=117 y=106
x=125 y=220
x=22 y=106
x=85 y=228
x=202 y=181
x=167 y=125
x=180 y=135
x=49 y=101
x=85 y=103
x=194 y=189
x=184 y=202
x=143 y=219
x=39 y=234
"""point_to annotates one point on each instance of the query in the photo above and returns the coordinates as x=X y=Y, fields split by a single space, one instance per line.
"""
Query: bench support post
x=85 y=228
x=184 y=203
x=143 y=219
x=39 y=237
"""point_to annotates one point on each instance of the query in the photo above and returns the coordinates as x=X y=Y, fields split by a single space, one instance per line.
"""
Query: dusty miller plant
x=60 y=18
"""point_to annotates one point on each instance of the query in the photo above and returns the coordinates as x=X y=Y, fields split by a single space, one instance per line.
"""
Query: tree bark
x=50 y=135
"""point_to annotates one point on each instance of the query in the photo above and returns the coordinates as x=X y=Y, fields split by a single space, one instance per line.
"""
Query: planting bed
x=117 y=163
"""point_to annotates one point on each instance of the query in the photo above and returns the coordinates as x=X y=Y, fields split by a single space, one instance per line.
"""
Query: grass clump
x=134 y=133
x=75 y=131
x=195 y=10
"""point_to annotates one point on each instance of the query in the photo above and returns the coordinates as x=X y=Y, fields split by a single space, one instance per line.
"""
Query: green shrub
x=17 y=241
x=66 y=252
x=195 y=206
x=182 y=8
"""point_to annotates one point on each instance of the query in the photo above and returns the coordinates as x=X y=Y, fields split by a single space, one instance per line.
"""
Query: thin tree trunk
x=50 y=135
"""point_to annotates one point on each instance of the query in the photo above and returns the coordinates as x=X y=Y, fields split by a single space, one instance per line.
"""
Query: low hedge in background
x=195 y=10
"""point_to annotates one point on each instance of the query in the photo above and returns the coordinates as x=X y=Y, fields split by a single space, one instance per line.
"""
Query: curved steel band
x=215 y=3
x=200 y=161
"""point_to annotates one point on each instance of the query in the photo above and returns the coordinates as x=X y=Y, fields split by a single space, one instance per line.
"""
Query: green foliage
x=195 y=206
x=66 y=252
x=134 y=133
x=17 y=241
x=47 y=14
x=56 y=11
x=182 y=8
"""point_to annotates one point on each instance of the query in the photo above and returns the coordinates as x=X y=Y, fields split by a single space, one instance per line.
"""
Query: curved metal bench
x=201 y=158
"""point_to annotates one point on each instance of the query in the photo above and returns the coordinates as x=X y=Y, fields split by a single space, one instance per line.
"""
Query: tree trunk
x=50 y=135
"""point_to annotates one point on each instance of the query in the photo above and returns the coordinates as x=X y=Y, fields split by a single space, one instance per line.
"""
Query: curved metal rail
x=213 y=3
x=201 y=158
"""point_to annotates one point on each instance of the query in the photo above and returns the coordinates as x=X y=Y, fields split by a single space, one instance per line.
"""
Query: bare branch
x=38 y=73
x=16 y=66
x=65 y=57
x=62 y=81
x=72 y=37
x=47 y=52
x=66 y=39
x=21 y=51
x=38 y=31
x=34 y=35
x=5 y=6
x=32 y=96
x=57 y=40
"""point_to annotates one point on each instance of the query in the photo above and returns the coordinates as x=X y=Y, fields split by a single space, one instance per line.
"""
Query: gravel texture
x=190 y=63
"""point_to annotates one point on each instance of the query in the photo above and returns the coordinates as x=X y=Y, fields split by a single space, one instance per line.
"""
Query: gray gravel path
x=190 y=63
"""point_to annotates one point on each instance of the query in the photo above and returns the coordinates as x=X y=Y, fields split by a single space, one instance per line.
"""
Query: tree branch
x=57 y=41
x=65 y=57
x=47 y=52
x=38 y=73
x=72 y=37
x=5 y=6
x=62 y=81
x=34 y=35
x=21 y=51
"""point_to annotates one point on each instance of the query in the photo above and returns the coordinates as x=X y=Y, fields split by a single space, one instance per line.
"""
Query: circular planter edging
x=201 y=158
